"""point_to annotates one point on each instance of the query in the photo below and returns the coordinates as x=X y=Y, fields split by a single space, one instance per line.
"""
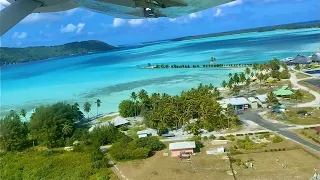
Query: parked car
x=168 y=135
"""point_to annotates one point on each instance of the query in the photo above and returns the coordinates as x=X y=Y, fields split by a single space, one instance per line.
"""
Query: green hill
x=10 y=55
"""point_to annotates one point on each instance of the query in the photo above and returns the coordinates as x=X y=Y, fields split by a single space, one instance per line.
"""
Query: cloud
x=38 y=17
x=233 y=3
x=117 y=22
x=195 y=15
x=135 y=22
x=218 y=13
x=80 y=27
x=17 y=35
x=71 y=28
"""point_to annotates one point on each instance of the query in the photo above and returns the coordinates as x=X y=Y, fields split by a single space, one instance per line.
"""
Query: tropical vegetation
x=194 y=109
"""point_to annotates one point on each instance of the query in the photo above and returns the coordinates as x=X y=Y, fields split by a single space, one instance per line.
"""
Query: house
x=299 y=59
x=262 y=100
x=182 y=147
x=238 y=103
x=218 y=150
x=283 y=91
x=315 y=57
x=117 y=122
x=144 y=133
x=253 y=102
x=223 y=104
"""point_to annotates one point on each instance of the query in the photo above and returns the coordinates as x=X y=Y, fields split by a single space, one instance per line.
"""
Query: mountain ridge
x=14 y=55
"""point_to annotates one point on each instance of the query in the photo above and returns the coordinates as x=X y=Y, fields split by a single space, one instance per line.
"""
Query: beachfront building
x=315 y=57
x=262 y=100
x=283 y=92
x=117 y=122
x=238 y=103
x=186 y=147
x=253 y=102
x=144 y=133
x=299 y=59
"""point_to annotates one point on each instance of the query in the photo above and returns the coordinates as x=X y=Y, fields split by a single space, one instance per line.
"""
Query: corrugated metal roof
x=262 y=98
x=119 y=121
x=236 y=101
x=143 y=132
x=252 y=99
x=182 y=145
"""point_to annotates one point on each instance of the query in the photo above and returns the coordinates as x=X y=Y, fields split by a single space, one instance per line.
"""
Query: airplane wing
x=192 y=7
x=126 y=9
x=135 y=9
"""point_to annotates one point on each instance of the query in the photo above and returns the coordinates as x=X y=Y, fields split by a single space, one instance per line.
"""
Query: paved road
x=253 y=116
x=314 y=103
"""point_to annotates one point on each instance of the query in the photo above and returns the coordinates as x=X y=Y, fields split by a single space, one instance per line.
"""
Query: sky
x=81 y=24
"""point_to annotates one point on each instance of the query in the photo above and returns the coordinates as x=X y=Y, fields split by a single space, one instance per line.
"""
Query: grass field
x=310 y=86
x=307 y=97
x=302 y=75
x=309 y=135
x=202 y=166
x=299 y=165
x=263 y=88
x=292 y=117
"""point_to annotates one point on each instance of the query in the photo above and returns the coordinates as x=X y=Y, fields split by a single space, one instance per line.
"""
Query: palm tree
x=23 y=113
x=236 y=78
x=248 y=82
x=252 y=74
x=230 y=84
x=255 y=66
x=230 y=75
x=98 y=102
x=87 y=108
x=242 y=77
x=248 y=71
x=76 y=105
x=272 y=99
x=298 y=95
x=224 y=84
x=67 y=129
x=134 y=98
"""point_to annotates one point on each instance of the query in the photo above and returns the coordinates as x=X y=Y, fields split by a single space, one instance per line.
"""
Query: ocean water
x=112 y=76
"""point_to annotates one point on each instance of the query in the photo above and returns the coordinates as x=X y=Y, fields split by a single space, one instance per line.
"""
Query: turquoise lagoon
x=112 y=76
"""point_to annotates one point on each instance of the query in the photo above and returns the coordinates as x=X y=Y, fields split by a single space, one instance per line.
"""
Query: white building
x=262 y=100
x=117 y=122
x=144 y=133
x=253 y=102
x=238 y=103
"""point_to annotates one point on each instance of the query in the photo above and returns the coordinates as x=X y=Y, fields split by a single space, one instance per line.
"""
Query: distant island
x=301 y=25
x=19 y=55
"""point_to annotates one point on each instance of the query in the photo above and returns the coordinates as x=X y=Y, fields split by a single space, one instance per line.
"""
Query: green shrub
x=127 y=108
x=205 y=138
x=124 y=128
x=232 y=160
x=284 y=75
x=222 y=138
x=212 y=137
x=195 y=138
x=153 y=143
x=277 y=139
